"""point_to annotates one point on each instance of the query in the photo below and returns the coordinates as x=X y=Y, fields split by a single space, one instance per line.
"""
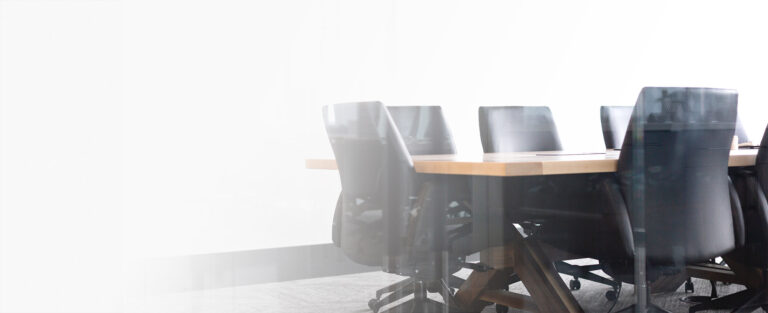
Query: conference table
x=510 y=252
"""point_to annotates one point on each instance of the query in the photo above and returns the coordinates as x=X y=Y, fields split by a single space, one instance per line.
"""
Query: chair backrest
x=753 y=194
x=377 y=177
x=673 y=171
x=614 y=120
x=517 y=129
x=423 y=129
x=761 y=163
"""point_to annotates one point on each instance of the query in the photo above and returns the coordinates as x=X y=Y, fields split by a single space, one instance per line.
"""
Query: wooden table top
x=525 y=163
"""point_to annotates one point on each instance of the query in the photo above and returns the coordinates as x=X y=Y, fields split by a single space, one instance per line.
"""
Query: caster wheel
x=502 y=308
x=574 y=284
x=688 y=286
x=611 y=295
x=373 y=304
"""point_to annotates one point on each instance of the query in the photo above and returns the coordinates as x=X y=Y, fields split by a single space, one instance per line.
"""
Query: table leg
x=534 y=268
x=508 y=252
x=541 y=279
x=480 y=208
x=468 y=295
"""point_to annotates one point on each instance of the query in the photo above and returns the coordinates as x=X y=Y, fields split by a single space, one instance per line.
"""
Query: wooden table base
x=736 y=272
x=525 y=258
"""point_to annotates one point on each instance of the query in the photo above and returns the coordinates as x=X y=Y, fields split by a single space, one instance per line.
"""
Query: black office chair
x=689 y=287
x=391 y=215
x=423 y=128
x=614 y=120
x=522 y=129
x=424 y=131
x=518 y=129
x=672 y=180
x=752 y=188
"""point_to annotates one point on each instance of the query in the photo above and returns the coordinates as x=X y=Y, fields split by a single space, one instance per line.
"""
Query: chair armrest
x=617 y=214
x=738 y=215
x=762 y=206
x=336 y=226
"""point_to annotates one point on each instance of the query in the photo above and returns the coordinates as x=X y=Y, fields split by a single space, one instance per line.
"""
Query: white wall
x=222 y=100
x=60 y=155
x=150 y=128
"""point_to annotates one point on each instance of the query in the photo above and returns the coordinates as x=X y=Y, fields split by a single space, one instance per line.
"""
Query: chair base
x=417 y=306
x=649 y=308
x=419 y=303
x=700 y=299
x=696 y=299
x=585 y=272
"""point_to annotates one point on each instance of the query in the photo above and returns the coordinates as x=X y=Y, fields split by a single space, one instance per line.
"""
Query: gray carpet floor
x=350 y=294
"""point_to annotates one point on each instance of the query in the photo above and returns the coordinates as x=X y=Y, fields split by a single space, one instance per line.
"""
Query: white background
x=135 y=129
